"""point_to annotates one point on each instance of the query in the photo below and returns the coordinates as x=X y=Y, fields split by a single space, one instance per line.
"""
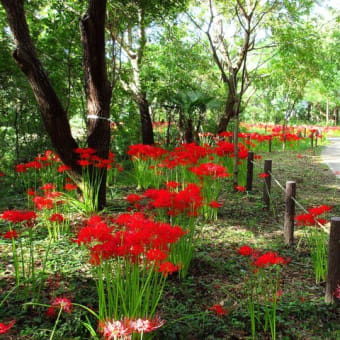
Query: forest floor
x=218 y=274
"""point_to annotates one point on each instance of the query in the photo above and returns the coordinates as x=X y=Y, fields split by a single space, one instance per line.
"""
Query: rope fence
x=333 y=275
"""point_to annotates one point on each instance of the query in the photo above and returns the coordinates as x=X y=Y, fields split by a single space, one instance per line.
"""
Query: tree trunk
x=188 y=134
x=147 y=130
x=336 y=115
x=53 y=115
x=309 y=109
x=97 y=87
x=229 y=113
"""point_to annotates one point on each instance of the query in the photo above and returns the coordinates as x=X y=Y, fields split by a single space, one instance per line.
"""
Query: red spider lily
x=133 y=198
x=172 y=184
x=48 y=187
x=264 y=175
x=214 y=204
x=56 y=218
x=319 y=210
x=114 y=330
x=70 y=186
x=119 y=168
x=30 y=192
x=136 y=236
x=11 y=234
x=64 y=303
x=20 y=168
x=63 y=168
x=84 y=162
x=143 y=151
x=146 y=325
x=5 y=328
x=168 y=268
x=17 y=216
x=305 y=219
x=50 y=312
x=2 y=174
x=268 y=259
x=299 y=156
x=156 y=255
x=337 y=292
x=240 y=188
x=246 y=251
x=218 y=309
x=43 y=202
x=210 y=169
x=89 y=151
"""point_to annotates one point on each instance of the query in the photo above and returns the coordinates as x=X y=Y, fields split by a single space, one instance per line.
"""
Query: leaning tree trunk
x=97 y=86
x=144 y=110
x=229 y=113
x=53 y=115
x=189 y=133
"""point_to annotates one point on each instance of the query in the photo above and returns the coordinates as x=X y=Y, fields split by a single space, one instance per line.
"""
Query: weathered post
x=333 y=276
x=316 y=138
x=312 y=139
x=267 y=182
x=250 y=168
x=288 y=228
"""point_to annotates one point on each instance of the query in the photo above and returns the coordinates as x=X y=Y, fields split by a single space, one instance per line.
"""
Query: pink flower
x=145 y=325
x=64 y=303
x=114 y=330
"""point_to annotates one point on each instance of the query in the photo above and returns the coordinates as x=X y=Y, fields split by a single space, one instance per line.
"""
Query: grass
x=217 y=273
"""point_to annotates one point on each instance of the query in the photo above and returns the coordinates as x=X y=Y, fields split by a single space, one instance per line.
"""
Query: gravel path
x=331 y=155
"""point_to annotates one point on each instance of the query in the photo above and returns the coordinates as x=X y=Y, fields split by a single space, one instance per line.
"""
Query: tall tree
x=98 y=89
x=128 y=26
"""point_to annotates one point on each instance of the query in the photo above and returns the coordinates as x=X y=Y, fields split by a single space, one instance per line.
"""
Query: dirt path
x=331 y=155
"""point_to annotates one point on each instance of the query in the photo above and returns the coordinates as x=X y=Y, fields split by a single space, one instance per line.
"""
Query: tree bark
x=53 y=114
x=229 y=113
x=336 y=116
x=97 y=86
x=147 y=129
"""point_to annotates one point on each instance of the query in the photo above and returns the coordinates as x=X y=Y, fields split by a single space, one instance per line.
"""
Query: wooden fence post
x=333 y=276
x=316 y=138
x=288 y=228
x=312 y=139
x=267 y=182
x=250 y=168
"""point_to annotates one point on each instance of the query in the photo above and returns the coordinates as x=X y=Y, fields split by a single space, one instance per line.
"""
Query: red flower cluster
x=11 y=234
x=132 y=236
x=143 y=151
x=88 y=157
x=17 y=216
x=267 y=259
x=210 y=170
x=310 y=218
x=57 y=218
x=187 y=201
